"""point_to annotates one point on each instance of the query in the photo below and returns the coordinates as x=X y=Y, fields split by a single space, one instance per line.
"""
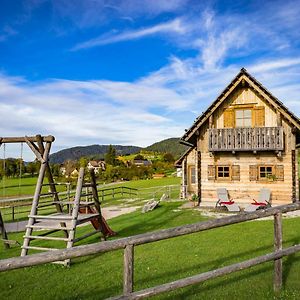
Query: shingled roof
x=190 y=135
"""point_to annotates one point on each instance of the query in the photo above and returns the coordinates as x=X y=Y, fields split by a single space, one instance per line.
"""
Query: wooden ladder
x=78 y=212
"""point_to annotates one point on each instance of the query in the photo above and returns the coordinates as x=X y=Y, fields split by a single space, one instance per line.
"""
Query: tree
x=168 y=157
x=32 y=167
x=83 y=162
x=110 y=156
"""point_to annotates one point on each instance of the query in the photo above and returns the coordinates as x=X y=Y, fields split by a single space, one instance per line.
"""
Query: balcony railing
x=246 y=139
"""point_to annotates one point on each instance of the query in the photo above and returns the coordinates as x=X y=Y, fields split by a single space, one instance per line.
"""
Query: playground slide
x=106 y=230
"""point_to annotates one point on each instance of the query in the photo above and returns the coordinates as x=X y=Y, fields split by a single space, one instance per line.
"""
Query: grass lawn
x=100 y=276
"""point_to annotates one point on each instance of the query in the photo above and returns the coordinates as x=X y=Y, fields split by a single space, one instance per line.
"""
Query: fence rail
x=129 y=243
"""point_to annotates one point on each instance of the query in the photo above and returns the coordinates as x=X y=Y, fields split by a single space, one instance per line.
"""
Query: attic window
x=243 y=118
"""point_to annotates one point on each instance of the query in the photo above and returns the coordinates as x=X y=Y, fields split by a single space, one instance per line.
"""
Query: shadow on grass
x=290 y=260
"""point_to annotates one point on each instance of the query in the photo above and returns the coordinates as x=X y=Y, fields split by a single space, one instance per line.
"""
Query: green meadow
x=100 y=276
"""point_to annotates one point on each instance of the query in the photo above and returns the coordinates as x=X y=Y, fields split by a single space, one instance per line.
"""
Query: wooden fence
x=129 y=243
x=12 y=206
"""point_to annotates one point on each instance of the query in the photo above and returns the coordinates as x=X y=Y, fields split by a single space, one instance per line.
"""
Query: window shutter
x=259 y=116
x=253 y=172
x=279 y=172
x=229 y=118
x=235 y=172
x=211 y=172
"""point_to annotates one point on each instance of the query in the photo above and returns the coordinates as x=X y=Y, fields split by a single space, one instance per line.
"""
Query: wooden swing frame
x=40 y=146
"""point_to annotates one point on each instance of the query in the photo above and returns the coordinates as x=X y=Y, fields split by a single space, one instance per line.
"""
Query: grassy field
x=27 y=185
x=100 y=276
x=21 y=187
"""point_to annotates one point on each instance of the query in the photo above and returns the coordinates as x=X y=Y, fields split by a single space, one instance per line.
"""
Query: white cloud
x=91 y=13
x=275 y=64
x=174 y=26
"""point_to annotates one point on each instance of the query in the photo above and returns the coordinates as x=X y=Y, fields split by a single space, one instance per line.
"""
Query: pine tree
x=110 y=156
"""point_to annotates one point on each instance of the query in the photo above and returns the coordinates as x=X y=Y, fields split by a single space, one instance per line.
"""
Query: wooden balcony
x=246 y=139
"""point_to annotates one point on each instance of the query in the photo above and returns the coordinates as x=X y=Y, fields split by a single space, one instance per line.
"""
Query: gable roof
x=178 y=162
x=243 y=76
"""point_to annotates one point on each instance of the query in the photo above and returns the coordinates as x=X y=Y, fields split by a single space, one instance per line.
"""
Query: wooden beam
x=23 y=139
x=277 y=247
x=35 y=150
x=128 y=269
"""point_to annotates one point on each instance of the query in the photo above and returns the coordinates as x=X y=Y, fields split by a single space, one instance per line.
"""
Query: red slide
x=106 y=230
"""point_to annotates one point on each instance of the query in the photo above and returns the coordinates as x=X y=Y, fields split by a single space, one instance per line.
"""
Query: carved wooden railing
x=246 y=139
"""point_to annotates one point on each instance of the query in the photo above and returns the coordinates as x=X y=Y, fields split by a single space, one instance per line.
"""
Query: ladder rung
x=52 y=217
x=48 y=194
x=50 y=238
x=38 y=248
x=63 y=202
x=86 y=203
x=48 y=227
x=86 y=194
x=87 y=184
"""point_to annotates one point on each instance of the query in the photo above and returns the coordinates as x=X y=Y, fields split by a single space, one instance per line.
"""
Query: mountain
x=170 y=145
x=93 y=151
x=98 y=151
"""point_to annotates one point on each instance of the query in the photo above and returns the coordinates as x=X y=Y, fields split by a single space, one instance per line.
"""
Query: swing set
x=69 y=212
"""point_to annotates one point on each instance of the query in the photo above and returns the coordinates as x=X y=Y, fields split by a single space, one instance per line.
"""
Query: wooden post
x=277 y=246
x=13 y=213
x=294 y=176
x=128 y=269
x=199 y=176
x=3 y=232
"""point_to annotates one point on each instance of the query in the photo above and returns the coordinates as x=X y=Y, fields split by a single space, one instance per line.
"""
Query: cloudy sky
x=134 y=72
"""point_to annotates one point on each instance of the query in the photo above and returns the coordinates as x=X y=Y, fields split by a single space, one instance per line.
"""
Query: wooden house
x=246 y=140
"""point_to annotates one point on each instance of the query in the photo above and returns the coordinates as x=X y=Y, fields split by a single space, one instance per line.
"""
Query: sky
x=135 y=72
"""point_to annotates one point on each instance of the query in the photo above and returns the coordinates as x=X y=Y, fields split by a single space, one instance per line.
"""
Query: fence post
x=128 y=269
x=13 y=212
x=277 y=246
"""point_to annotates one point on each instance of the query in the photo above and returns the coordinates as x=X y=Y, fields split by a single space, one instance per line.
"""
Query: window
x=193 y=175
x=270 y=173
x=243 y=118
x=223 y=172
x=266 y=172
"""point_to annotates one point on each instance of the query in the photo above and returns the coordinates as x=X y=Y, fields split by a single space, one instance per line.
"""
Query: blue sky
x=135 y=72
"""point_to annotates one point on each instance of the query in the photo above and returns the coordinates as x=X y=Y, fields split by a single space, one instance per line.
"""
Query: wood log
x=277 y=247
x=128 y=269
x=22 y=139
